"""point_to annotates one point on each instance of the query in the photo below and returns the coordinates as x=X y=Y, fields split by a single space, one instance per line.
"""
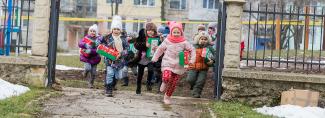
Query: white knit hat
x=213 y=25
x=94 y=27
x=202 y=34
x=116 y=22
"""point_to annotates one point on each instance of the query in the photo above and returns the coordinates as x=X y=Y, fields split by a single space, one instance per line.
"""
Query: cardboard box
x=302 y=98
x=184 y=58
x=110 y=53
x=154 y=42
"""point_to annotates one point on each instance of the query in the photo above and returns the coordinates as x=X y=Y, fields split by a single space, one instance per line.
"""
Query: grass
x=235 y=110
x=74 y=61
x=22 y=106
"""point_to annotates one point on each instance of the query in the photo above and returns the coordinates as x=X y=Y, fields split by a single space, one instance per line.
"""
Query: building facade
x=129 y=10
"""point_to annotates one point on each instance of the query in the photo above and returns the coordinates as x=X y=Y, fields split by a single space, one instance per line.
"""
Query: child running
x=204 y=58
x=115 y=69
x=172 y=70
x=88 y=54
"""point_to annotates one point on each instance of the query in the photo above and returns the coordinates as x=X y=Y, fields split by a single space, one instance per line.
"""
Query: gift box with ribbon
x=184 y=58
x=206 y=54
x=82 y=52
x=110 y=53
x=88 y=41
x=153 y=43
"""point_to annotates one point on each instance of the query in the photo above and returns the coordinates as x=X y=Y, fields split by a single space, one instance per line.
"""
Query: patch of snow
x=63 y=67
x=68 y=54
x=292 y=111
x=8 y=90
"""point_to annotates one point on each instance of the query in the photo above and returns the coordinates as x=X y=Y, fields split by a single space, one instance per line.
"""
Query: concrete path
x=89 y=103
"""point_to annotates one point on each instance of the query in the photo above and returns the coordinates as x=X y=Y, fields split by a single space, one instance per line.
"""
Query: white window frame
x=138 y=25
x=147 y=5
x=180 y=5
x=114 y=2
x=207 y=4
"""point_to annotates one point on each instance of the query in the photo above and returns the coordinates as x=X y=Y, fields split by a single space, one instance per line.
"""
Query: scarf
x=118 y=43
x=175 y=39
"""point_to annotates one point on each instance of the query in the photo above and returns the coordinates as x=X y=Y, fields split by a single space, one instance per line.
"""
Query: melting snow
x=8 y=90
x=292 y=111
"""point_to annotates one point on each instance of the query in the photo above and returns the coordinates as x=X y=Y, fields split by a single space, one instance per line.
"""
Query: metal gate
x=221 y=32
x=15 y=16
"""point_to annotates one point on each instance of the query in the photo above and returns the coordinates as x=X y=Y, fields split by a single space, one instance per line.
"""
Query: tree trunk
x=116 y=7
x=162 y=17
x=112 y=9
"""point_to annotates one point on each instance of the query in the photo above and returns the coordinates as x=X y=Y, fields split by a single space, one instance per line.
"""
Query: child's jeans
x=117 y=73
x=90 y=68
x=171 y=80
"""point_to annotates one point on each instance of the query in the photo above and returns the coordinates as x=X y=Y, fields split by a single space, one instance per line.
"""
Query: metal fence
x=284 y=38
x=15 y=26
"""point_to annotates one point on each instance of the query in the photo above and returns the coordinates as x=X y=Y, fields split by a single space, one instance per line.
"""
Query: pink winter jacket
x=171 y=51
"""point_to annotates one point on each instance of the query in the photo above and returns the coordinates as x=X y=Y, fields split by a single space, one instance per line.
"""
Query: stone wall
x=264 y=88
x=24 y=70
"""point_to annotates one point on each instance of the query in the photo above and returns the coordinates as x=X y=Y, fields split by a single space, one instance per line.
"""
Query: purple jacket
x=93 y=58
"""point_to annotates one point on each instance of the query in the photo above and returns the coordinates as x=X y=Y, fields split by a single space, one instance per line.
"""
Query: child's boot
x=91 y=82
x=126 y=81
x=167 y=99
x=138 y=90
x=109 y=90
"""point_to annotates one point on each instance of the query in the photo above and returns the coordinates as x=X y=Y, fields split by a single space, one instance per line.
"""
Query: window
x=110 y=1
x=144 y=2
x=137 y=26
x=210 y=4
x=177 y=4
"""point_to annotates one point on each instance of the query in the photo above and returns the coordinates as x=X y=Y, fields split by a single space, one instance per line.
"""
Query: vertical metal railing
x=12 y=27
x=220 y=50
x=291 y=36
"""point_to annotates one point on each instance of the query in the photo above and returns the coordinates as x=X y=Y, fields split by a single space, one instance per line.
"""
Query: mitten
x=87 y=51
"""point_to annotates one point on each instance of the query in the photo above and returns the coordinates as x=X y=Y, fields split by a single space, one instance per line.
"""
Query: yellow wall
x=128 y=9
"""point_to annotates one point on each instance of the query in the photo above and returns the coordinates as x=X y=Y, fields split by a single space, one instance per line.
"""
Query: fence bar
x=8 y=29
x=313 y=40
x=53 y=36
x=249 y=32
x=4 y=27
x=297 y=35
x=256 y=34
x=12 y=22
x=27 y=32
x=272 y=42
x=20 y=20
x=306 y=36
x=266 y=7
x=220 y=50
x=280 y=35
x=288 y=41
x=321 y=41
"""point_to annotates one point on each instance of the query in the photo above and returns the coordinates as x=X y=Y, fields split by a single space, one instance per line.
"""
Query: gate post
x=233 y=33
x=41 y=28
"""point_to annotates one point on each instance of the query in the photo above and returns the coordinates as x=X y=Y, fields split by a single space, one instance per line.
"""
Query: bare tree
x=116 y=6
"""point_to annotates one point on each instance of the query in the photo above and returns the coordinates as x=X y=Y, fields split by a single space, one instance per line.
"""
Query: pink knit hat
x=172 y=25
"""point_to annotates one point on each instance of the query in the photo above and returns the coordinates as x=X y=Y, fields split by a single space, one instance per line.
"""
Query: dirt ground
x=183 y=88
x=92 y=103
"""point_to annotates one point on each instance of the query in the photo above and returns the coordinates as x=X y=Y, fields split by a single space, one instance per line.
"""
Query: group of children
x=157 y=49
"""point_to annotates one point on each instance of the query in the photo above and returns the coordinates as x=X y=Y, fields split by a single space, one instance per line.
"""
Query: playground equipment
x=11 y=24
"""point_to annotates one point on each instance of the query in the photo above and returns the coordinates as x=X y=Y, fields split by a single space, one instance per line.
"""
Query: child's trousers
x=197 y=80
x=171 y=80
x=90 y=68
